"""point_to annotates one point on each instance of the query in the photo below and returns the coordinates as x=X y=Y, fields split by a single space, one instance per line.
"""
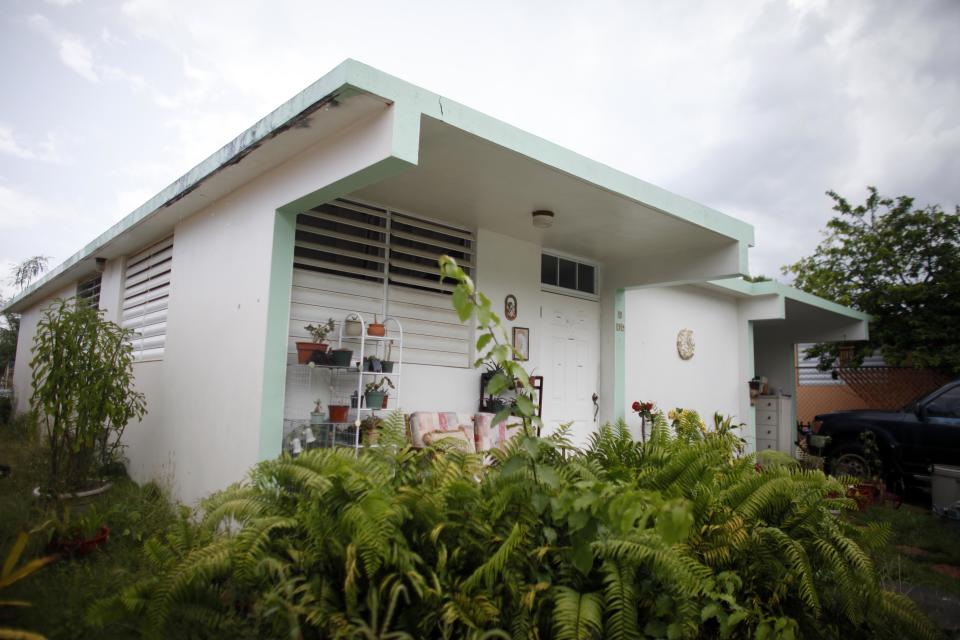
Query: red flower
x=649 y=406
x=636 y=406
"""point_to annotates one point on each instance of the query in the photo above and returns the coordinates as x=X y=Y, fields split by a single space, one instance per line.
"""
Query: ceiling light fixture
x=543 y=219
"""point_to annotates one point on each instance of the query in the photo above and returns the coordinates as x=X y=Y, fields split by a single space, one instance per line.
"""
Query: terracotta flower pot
x=377 y=329
x=305 y=350
x=79 y=546
x=338 y=412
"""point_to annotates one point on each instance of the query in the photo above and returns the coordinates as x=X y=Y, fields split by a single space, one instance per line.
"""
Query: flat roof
x=351 y=78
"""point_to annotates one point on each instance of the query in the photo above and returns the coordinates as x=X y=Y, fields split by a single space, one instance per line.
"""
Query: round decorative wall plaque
x=685 y=344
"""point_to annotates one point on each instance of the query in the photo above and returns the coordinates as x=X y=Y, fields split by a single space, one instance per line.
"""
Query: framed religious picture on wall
x=521 y=343
x=510 y=307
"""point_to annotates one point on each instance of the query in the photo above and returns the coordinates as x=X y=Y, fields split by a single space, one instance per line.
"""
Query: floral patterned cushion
x=489 y=436
x=457 y=438
x=423 y=422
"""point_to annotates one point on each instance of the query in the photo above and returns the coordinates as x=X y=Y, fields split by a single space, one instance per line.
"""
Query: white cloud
x=47 y=150
x=755 y=112
x=71 y=48
x=19 y=210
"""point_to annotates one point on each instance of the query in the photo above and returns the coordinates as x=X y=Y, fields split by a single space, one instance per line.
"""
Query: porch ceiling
x=810 y=323
x=476 y=183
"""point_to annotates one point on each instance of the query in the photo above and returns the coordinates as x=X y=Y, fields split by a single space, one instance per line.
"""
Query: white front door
x=569 y=347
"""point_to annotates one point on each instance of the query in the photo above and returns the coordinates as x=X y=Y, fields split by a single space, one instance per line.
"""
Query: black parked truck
x=908 y=442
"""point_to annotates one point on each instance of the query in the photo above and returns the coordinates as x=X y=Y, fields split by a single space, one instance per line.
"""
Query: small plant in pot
x=376 y=328
x=341 y=357
x=373 y=363
x=375 y=393
x=352 y=328
x=317 y=416
x=307 y=351
x=78 y=535
x=868 y=469
x=339 y=412
x=84 y=395
x=386 y=365
x=370 y=427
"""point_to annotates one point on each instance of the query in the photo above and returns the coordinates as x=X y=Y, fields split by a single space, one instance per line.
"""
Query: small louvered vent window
x=89 y=291
x=146 y=290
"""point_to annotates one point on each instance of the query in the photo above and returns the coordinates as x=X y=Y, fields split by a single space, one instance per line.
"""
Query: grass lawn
x=922 y=560
x=921 y=543
x=62 y=592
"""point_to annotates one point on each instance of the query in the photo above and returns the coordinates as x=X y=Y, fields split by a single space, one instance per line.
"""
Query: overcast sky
x=753 y=108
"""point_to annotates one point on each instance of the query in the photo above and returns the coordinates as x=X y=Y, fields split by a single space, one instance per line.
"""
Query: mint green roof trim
x=435 y=106
x=411 y=102
x=772 y=287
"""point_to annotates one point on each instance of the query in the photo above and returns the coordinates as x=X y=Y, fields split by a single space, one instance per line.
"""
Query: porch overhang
x=450 y=162
x=789 y=315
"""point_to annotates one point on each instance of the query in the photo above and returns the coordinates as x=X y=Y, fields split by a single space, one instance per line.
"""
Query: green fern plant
x=677 y=537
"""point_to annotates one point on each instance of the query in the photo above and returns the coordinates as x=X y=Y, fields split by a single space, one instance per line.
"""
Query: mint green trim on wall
x=619 y=354
x=281 y=284
x=275 y=352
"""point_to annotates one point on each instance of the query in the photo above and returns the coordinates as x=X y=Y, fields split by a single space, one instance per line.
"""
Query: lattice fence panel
x=890 y=388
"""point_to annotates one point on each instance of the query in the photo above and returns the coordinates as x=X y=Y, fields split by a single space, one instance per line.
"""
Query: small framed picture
x=521 y=343
x=510 y=307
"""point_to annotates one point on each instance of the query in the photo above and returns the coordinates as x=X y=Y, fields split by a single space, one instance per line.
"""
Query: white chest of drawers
x=774 y=423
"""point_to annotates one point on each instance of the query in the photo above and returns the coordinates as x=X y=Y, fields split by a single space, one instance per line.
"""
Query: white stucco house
x=340 y=201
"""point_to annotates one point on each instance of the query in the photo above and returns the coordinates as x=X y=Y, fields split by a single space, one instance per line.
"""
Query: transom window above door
x=567 y=275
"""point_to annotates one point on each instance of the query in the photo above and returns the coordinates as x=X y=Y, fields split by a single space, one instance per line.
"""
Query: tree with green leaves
x=900 y=264
x=20 y=276
x=25 y=272
x=83 y=390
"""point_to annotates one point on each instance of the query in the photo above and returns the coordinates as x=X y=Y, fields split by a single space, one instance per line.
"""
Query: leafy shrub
x=674 y=538
x=82 y=390
x=678 y=536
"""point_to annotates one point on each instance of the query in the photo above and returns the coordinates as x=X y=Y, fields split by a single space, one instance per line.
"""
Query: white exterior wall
x=711 y=380
x=774 y=358
x=504 y=265
x=22 y=373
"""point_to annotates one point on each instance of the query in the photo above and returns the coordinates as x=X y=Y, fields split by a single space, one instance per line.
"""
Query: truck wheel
x=849 y=459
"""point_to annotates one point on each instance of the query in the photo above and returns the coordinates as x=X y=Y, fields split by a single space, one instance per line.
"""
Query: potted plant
x=376 y=328
x=339 y=412
x=341 y=357
x=370 y=428
x=318 y=336
x=869 y=489
x=317 y=416
x=375 y=393
x=78 y=536
x=386 y=365
x=352 y=328
x=373 y=363
x=75 y=347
